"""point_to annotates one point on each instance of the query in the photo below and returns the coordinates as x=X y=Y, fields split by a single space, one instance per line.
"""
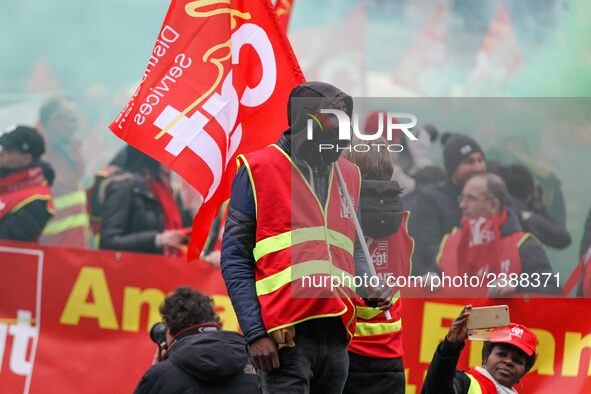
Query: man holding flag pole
x=291 y=218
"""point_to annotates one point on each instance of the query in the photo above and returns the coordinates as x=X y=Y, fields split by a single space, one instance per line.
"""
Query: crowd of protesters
x=474 y=216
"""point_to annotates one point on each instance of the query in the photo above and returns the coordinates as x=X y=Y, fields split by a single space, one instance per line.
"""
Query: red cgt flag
x=216 y=85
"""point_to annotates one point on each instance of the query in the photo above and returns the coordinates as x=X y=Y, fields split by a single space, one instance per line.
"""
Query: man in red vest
x=289 y=233
x=25 y=195
x=506 y=358
x=491 y=241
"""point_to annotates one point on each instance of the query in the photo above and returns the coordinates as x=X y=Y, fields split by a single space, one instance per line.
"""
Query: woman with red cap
x=506 y=358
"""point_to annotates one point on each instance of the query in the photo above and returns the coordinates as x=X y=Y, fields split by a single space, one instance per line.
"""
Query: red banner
x=74 y=320
x=216 y=85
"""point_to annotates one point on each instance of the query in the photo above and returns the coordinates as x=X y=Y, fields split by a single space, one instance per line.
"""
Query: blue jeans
x=317 y=364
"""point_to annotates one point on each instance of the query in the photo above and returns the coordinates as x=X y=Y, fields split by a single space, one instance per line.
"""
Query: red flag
x=283 y=9
x=216 y=85
x=499 y=56
x=427 y=55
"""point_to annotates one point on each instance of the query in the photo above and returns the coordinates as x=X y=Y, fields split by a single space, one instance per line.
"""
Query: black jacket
x=205 y=363
x=540 y=222
x=437 y=213
x=131 y=214
x=27 y=223
x=442 y=377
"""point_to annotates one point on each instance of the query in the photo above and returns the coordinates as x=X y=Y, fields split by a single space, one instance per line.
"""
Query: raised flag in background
x=283 y=9
x=216 y=85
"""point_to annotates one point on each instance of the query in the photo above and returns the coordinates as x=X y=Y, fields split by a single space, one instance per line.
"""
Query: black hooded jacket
x=237 y=261
x=205 y=363
x=27 y=223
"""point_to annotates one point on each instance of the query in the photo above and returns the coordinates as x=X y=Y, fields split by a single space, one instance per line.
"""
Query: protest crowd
x=446 y=204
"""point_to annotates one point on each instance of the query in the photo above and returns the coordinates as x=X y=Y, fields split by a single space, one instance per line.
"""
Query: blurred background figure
x=140 y=211
x=526 y=200
x=59 y=122
x=25 y=197
x=490 y=240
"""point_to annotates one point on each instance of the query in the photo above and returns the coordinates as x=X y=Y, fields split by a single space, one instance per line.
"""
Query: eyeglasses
x=471 y=199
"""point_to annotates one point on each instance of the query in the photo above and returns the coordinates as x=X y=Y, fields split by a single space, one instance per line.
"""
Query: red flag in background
x=216 y=85
x=499 y=56
x=426 y=55
x=283 y=9
x=43 y=79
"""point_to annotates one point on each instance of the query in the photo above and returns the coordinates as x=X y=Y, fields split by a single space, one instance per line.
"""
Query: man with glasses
x=491 y=241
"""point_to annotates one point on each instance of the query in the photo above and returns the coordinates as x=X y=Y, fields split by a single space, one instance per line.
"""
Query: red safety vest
x=301 y=246
x=480 y=384
x=506 y=250
x=21 y=188
x=374 y=335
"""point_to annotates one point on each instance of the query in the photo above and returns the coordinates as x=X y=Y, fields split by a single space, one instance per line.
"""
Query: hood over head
x=305 y=102
x=381 y=207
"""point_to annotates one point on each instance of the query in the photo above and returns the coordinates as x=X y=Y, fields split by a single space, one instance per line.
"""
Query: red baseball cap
x=517 y=335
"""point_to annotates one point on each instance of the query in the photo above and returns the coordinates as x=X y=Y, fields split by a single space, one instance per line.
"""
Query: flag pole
x=358 y=229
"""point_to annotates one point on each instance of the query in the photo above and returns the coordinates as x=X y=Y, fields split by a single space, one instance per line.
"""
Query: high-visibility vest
x=70 y=225
x=374 y=335
x=510 y=261
x=301 y=246
x=480 y=384
x=21 y=188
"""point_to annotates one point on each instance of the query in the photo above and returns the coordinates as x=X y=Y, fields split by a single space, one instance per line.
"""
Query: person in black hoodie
x=25 y=197
x=198 y=357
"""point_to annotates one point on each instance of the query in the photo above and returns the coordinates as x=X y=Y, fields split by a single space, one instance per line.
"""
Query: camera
x=158 y=333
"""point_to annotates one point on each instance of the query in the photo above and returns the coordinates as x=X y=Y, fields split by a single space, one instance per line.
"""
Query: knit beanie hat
x=457 y=147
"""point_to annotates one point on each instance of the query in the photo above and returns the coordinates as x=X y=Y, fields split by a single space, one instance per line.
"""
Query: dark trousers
x=375 y=375
x=317 y=364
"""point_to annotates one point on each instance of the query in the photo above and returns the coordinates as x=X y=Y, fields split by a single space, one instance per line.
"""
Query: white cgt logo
x=517 y=331
x=189 y=132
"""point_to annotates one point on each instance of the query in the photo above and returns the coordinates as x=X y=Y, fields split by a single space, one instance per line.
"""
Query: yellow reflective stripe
x=442 y=246
x=474 y=385
x=377 y=328
x=31 y=199
x=285 y=240
x=291 y=273
x=523 y=239
x=341 y=241
x=242 y=159
x=70 y=199
x=368 y=313
x=298 y=271
x=60 y=225
x=308 y=318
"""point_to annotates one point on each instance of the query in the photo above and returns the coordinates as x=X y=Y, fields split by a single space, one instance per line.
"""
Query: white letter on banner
x=252 y=34
x=22 y=332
